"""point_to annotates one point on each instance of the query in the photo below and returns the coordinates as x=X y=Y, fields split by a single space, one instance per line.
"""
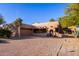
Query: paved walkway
x=36 y=46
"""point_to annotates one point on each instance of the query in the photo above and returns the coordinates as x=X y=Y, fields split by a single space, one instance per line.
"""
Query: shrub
x=4 y=32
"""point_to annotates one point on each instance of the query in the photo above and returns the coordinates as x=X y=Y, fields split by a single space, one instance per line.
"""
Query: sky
x=32 y=12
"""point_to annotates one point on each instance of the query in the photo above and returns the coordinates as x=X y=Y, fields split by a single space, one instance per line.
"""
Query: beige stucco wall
x=47 y=24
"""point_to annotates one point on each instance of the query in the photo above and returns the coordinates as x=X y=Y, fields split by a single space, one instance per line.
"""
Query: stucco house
x=47 y=25
x=28 y=30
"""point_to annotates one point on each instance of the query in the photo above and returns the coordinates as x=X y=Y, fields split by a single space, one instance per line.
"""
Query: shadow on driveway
x=3 y=41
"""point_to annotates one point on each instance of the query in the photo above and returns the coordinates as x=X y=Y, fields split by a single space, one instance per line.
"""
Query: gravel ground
x=39 y=46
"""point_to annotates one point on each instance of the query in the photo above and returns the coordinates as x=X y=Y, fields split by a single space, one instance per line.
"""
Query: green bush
x=4 y=32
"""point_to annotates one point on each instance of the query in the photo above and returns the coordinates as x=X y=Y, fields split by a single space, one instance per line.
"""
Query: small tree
x=51 y=20
x=1 y=20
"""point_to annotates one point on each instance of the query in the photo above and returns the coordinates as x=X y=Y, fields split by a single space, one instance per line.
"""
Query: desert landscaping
x=39 y=29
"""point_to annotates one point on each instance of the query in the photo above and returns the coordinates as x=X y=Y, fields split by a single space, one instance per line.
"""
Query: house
x=47 y=25
x=28 y=30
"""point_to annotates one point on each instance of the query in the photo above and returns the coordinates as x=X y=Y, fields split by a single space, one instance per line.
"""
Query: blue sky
x=32 y=12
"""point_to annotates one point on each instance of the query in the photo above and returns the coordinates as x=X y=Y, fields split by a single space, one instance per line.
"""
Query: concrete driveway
x=40 y=46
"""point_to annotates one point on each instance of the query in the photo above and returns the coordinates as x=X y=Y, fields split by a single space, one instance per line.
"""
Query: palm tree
x=17 y=23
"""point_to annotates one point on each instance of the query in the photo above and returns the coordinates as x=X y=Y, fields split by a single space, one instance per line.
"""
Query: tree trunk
x=19 y=34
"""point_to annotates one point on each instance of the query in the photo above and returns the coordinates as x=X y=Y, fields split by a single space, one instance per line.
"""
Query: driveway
x=39 y=46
